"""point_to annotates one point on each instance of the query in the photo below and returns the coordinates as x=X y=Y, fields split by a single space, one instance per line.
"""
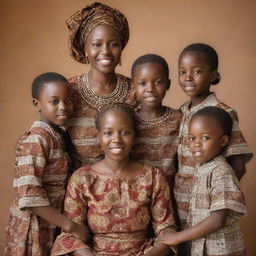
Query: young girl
x=198 y=70
x=158 y=126
x=117 y=197
x=41 y=172
x=216 y=201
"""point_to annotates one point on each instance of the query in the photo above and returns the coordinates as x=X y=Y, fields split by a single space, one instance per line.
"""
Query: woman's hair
x=223 y=118
x=115 y=106
x=81 y=23
x=209 y=53
x=150 y=58
x=43 y=79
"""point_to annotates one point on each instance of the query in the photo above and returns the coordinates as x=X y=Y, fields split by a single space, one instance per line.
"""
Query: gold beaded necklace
x=97 y=101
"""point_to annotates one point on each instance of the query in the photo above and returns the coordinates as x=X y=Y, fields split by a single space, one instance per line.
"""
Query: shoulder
x=184 y=107
x=175 y=113
x=83 y=176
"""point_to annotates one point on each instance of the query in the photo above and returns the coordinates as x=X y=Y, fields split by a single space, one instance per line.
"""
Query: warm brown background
x=33 y=40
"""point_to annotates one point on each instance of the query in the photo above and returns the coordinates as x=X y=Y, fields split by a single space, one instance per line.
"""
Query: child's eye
x=96 y=44
x=190 y=138
x=126 y=132
x=206 y=137
x=69 y=101
x=108 y=133
x=181 y=72
x=159 y=81
x=114 y=44
x=55 y=102
x=197 y=71
x=141 y=83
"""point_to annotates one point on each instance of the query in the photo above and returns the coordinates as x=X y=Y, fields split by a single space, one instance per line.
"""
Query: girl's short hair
x=209 y=53
x=44 y=78
x=115 y=106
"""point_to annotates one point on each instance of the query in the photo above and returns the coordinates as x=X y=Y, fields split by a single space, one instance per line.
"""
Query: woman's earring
x=86 y=58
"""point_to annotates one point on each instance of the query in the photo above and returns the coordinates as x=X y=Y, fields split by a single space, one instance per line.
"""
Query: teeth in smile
x=105 y=61
x=198 y=153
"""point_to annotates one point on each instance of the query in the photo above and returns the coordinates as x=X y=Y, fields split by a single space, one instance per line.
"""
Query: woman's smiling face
x=104 y=49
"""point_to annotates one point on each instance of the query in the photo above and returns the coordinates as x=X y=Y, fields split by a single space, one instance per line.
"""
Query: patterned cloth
x=82 y=22
x=82 y=127
x=40 y=179
x=216 y=187
x=184 y=178
x=117 y=211
x=157 y=142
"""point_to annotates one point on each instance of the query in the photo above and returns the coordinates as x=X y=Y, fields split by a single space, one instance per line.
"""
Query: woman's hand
x=81 y=232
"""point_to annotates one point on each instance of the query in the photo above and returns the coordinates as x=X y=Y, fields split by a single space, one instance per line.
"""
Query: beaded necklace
x=154 y=122
x=97 y=101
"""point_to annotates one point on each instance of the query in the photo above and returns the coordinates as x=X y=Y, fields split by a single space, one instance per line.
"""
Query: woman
x=98 y=35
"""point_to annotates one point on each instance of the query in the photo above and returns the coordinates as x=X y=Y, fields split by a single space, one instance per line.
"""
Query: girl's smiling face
x=150 y=83
x=195 y=74
x=206 y=138
x=104 y=49
x=116 y=134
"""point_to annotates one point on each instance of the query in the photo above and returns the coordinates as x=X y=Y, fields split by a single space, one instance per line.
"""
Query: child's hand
x=169 y=238
x=81 y=232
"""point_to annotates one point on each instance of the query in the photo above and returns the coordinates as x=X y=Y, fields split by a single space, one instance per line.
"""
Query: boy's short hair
x=44 y=78
x=223 y=118
x=150 y=58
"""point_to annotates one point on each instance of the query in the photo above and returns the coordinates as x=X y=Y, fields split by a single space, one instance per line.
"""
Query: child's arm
x=237 y=162
x=209 y=225
x=52 y=216
x=159 y=249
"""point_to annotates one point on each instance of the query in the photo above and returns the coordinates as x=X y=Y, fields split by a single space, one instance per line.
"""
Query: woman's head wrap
x=82 y=22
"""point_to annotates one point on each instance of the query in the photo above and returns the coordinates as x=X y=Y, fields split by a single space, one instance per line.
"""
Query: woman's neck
x=150 y=113
x=102 y=83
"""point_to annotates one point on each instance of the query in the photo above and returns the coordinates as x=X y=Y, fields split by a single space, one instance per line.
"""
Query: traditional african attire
x=216 y=187
x=184 y=178
x=40 y=179
x=157 y=142
x=82 y=22
x=117 y=211
x=82 y=126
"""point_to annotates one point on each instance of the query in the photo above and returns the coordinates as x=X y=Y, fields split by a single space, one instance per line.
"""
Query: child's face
x=206 y=138
x=195 y=74
x=55 y=103
x=116 y=135
x=150 y=83
x=103 y=46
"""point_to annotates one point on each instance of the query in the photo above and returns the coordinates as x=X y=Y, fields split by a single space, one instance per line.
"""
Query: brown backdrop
x=33 y=39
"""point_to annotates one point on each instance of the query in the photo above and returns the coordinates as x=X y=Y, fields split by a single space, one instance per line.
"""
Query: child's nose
x=62 y=105
x=189 y=76
x=105 y=49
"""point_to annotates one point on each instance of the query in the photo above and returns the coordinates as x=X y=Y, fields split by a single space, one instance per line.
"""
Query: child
x=216 y=201
x=117 y=197
x=41 y=173
x=198 y=70
x=158 y=126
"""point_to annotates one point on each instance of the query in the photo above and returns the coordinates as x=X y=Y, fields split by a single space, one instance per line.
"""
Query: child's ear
x=224 y=140
x=214 y=75
x=168 y=84
x=36 y=103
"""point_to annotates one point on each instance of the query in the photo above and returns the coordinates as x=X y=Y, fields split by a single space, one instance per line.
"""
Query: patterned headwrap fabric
x=82 y=22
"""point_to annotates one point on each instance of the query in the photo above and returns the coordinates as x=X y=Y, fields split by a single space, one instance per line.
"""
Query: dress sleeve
x=161 y=210
x=237 y=144
x=75 y=208
x=31 y=158
x=225 y=192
